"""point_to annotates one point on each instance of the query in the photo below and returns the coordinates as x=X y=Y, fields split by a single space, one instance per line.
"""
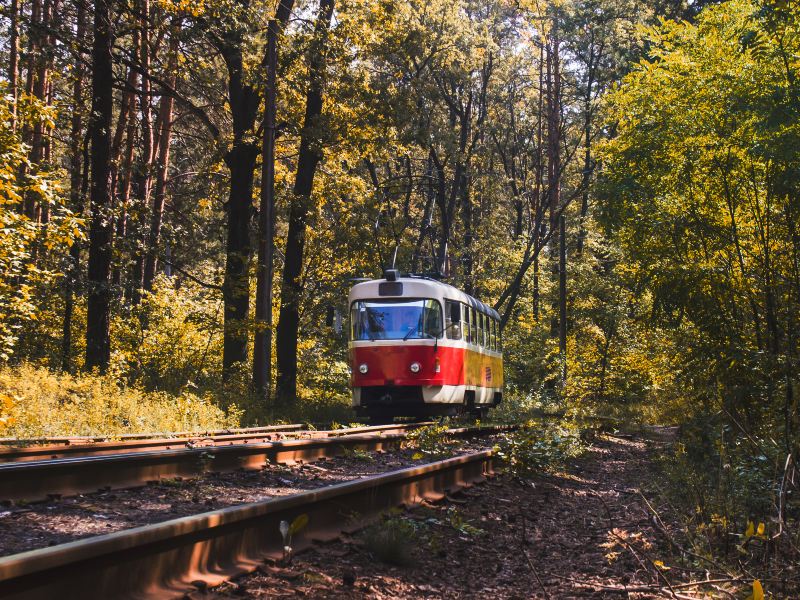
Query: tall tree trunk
x=539 y=183
x=562 y=295
x=145 y=172
x=262 y=344
x=120 y=167
x=13 y=61
x=164 y=140
x=39 y=85
x=553 y=132
x=47 y=142
x=241 y=161
x=587 y=147
x=308 y=159
x=122 y=191
x=553 y=156
x=98 y=343
x=75 y=194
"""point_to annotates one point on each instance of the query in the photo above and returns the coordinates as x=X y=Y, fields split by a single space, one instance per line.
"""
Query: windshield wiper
x=410 y=331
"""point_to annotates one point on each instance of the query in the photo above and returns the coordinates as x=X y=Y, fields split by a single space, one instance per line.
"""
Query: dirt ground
x=588 y=533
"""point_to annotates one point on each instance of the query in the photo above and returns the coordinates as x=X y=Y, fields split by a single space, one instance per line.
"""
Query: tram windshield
x=395 y=319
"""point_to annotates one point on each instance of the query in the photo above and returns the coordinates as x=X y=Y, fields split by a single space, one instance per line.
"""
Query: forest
x=188 y=189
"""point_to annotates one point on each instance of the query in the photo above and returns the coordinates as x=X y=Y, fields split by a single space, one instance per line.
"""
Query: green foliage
x=432 y=442
x=35 y=402
x=172 y=339
x=29 y=250
x=702 y=200
x=543 y=446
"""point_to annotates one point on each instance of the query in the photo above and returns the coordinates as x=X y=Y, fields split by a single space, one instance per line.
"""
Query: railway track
x=22 y=453
x=171 y=558
x=39 y=479
x=85 y=439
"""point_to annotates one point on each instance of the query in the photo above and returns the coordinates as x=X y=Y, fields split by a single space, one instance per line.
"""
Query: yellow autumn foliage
x=35 y=402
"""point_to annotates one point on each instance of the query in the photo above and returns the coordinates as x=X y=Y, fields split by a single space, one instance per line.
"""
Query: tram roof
x=453 y=292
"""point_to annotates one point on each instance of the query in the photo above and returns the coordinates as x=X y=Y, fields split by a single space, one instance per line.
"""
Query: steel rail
x=169 y=559
x=20 y=454
x=67 y=440
x=38 y=480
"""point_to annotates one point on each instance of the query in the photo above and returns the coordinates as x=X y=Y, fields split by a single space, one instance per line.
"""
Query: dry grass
x=35 y=402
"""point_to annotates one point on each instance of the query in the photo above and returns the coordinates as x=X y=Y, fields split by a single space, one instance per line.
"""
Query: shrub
x=35 y=402
x=539 y=447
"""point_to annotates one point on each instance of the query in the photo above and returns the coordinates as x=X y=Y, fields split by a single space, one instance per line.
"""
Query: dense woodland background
x=187 y=189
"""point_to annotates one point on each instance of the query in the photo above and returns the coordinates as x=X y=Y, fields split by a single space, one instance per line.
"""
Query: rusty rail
x=90 y=439
x=254 y=436
x=37 y=480
x=168 y=559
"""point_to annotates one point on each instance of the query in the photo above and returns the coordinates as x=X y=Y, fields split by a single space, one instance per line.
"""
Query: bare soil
x=588 y=533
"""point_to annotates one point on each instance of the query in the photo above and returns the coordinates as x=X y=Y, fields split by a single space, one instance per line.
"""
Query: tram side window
x=473 y=321
x=453 y=325
x=494 y=334
x=482 y=321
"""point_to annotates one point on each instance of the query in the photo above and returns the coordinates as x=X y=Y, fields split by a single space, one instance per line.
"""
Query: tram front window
x=395 y=319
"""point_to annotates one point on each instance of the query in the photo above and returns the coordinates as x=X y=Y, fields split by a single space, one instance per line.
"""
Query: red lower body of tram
x=418 y=380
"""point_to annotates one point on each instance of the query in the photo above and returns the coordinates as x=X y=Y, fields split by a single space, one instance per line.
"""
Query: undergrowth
x=736 y=499
x=540 y=446
x=432 y=442
x=35 y=402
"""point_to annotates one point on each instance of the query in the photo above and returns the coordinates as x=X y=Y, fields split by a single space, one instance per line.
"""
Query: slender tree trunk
x=308 y=159
x=75 y=194
x=539 y=184
x=145 y=173
x=47 y=142
x=98 y=343
x=587 y=148
x=262 y=347
x=120 y=167
x=427 y=216
x=13 y=61
x=553 y=154
x=553 y=133
x=122 y=191
x=562 y=296
x=39 y=86
x=164 y=140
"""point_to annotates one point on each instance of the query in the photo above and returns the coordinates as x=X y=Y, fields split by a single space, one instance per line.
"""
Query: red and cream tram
x=419 y=347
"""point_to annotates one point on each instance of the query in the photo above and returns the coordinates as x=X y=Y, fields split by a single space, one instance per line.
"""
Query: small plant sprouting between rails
x=432 y=441
x=288 y=530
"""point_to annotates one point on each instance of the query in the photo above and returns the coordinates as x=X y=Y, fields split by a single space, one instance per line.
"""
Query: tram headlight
x=414 y=367
x=363 y=368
